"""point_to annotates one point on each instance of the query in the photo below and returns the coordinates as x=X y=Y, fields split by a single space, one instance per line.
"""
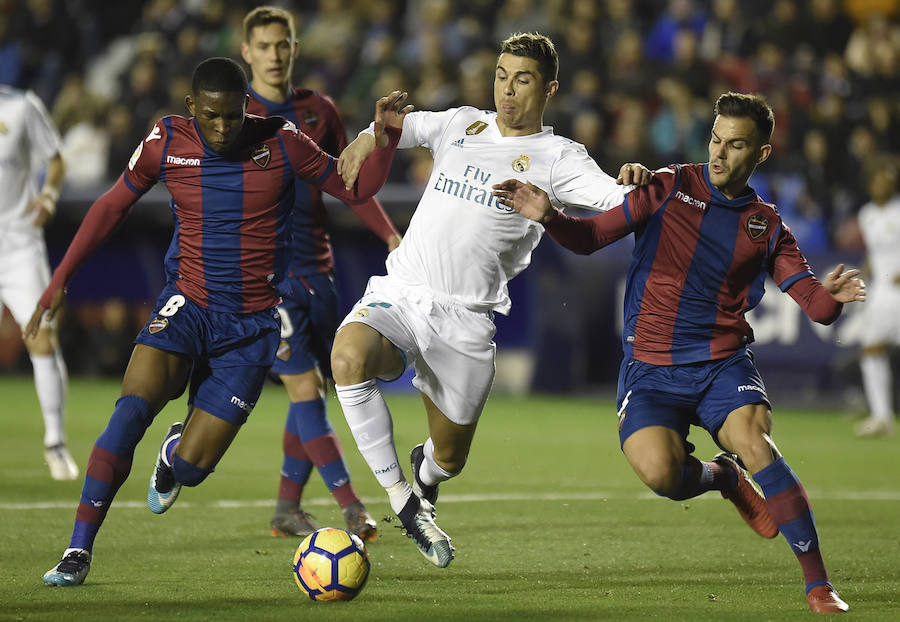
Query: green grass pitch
x=548 y=520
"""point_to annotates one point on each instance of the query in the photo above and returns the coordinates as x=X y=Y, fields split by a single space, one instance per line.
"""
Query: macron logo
x=701 y=205
x=170 y=159
x=749 y=387
x=802 y=546
x=245 y=406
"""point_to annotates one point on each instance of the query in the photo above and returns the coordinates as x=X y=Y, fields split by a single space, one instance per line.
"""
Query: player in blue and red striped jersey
x=231 y=177
x=309 y=311
x=704 y=242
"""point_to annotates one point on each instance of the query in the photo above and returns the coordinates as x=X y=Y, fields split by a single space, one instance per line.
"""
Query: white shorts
x=881 y=314
x=24 y=272
x=450 y=347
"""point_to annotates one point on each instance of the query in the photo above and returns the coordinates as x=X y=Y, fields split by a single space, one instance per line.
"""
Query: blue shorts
x=231 y=352
x=309 y=320
x=678 y=396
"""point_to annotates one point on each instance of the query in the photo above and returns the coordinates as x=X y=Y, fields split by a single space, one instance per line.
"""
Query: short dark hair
x=753 y=106
x=219 y=75
x=537 y=46
x=265 y=15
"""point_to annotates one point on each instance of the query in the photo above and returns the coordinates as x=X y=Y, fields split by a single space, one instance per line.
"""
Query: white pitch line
x=871 y=495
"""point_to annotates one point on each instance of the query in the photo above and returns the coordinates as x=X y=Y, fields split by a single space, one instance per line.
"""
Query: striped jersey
x=231 y=211
x=699 y=264
x=316 y=116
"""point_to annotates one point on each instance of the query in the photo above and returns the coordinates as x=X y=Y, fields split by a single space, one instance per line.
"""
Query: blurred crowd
x=637 y=77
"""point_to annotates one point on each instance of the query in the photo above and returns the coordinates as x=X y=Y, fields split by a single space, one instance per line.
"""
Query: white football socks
x=50 y=380
x=430 y=473
x=370 y=422
x=876 y=376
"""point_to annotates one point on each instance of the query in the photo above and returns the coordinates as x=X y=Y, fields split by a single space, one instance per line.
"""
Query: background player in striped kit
x=434 y=309
x=231 y=178
x=704 y=242
x=309 y=310
x=879 y=224
x=28 y=141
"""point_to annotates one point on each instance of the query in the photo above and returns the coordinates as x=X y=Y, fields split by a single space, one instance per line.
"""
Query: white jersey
x=880 y=228
x=460 y=242
x=27 y=140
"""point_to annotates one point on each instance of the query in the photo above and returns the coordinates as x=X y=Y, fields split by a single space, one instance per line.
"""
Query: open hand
x=845 y=286
x=43 y=207
x=389 y=111
x=525 y=198
x=634 y=174
x=34 y=323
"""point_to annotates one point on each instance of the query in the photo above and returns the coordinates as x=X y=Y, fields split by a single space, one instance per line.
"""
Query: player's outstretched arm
x=389 y=112
x=580 y=235
x=845 y=286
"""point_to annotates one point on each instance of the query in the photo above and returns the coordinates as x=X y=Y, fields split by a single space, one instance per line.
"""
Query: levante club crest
x=261 y=155
x=757 y=226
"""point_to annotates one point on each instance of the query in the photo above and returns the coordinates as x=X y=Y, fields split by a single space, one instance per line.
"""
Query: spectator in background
x=678 y=129
x=659 y=45
x=28 y=143
x=879 y=223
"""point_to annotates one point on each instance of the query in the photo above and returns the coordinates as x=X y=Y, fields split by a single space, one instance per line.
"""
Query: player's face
x=219 y=115
x=270 y=53
x=520 y=95
x=735 y=149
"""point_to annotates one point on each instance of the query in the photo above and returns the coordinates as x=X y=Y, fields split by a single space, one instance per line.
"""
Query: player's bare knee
x=348 y=365
x=662 y=476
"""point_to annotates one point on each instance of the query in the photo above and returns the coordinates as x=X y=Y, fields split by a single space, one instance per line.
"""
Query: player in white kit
x=434 y=309
x=879 y=223
x=28 y=142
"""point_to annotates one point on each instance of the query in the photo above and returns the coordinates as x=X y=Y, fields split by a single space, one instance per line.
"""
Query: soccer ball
x=331 y=564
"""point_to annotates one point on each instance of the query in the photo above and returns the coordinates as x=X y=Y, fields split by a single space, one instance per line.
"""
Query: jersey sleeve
x=787 y=265
x=101 y=220
x=143 y=167
x=42 y=134
x=577 y=181
x=421 y=128
x=640 y=204
x=314 y=166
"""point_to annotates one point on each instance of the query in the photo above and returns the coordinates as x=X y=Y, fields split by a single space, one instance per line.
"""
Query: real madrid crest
x=521 y=164
x=757 y=226
x=476 y=128
x=261 y=155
